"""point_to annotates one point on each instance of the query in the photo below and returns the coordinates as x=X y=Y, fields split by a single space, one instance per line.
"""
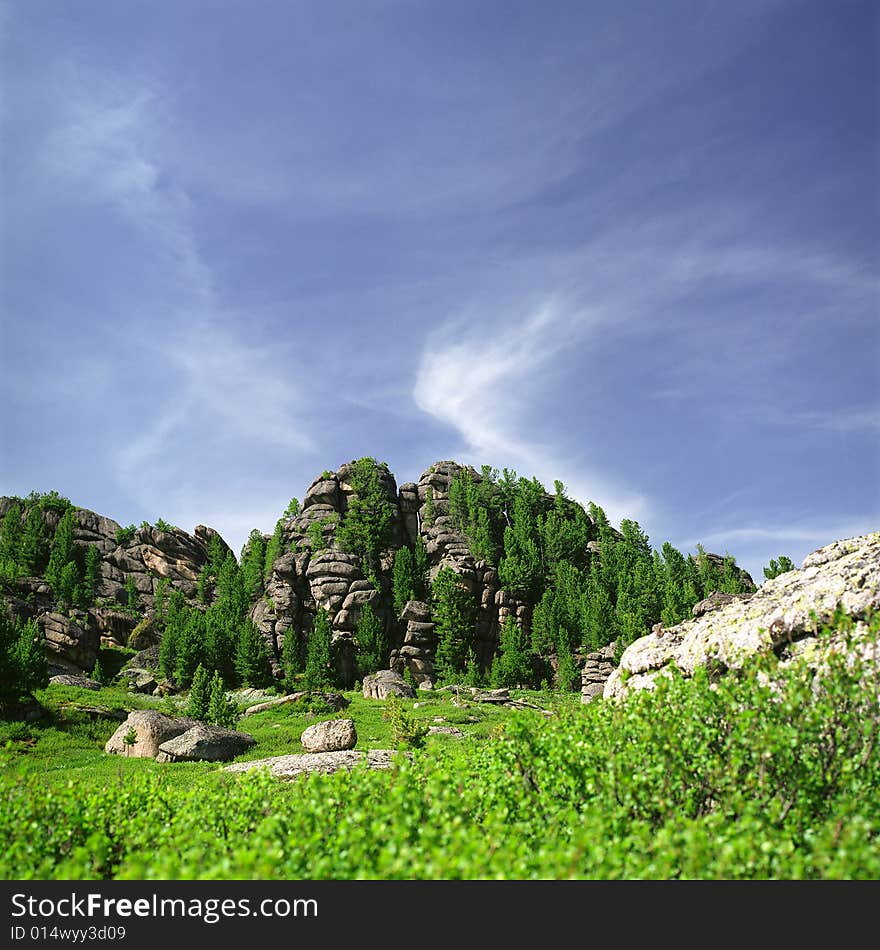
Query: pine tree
x=420 y=570
x=273 y=548
x=453 y=609
x=220 y=641
x=291 y=659
x=318 y=657
x=10 y=535
x=132 y=597
x=199 y=694
x=253 y=558
x=33 y=543
x=366 y=527
x=91 y=576
x=777 y=567
x=370 y=638
x=190 y=648
x=67 y=587
x=61 y=555
x=473 y=675
x=252 y=664
x=221 y=711
x=566 y=670
x=513 y=664
x=23 y=665
x=403 y=584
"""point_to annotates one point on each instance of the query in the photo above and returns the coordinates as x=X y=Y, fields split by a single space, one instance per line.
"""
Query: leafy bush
x=771 y=772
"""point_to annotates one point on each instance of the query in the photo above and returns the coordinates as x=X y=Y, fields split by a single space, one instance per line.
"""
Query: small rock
x=445 y=731
x=139 y=681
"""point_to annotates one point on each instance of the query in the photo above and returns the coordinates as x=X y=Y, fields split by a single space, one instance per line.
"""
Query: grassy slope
x=67 y=746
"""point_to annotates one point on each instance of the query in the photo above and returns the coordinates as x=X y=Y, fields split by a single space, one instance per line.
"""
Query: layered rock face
x=784 y=616
x=309 y=576
x=142 y=561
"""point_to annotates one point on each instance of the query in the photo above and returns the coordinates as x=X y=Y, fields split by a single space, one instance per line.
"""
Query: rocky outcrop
x=419 y=643
x=784 y=612
x=714 y=601
x=204 y=743
x=333 y=735
x=70 y=646
x=141 y=559
x=598 y=666
x=149 y=730
x=387 y=683
x=293 y=766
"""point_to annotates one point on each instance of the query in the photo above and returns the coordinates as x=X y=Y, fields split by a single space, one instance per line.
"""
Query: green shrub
x=405 y=729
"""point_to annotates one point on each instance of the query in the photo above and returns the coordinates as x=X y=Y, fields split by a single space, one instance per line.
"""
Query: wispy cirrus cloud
x=481 y=385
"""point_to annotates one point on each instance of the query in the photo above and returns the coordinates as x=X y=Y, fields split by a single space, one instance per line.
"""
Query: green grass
x=768 y=772
x=67 y=745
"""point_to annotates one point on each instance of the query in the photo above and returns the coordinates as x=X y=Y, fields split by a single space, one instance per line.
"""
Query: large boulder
x=70 y=647
x=387 y=683
x=334 y=735
x=789 y=608
x=150 y=729
x=204 y=743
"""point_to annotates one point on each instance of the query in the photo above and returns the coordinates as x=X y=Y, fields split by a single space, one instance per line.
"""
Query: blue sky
x=630 y=246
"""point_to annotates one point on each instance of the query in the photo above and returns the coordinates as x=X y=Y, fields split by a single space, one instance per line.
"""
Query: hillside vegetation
x=768 y=772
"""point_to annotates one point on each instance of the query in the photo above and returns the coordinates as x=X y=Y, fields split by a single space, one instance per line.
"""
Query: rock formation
x=598 y=666
x=784 y=616
x=141 y=560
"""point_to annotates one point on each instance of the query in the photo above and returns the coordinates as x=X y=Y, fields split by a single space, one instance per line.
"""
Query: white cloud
x=479 y=382
x=104 y=150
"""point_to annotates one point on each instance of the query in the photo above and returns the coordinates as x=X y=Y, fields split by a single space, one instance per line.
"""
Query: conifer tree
x=777 y=567
x=318 y=657
x=23 y=665
x=199 y=694
x=33 y=543
x=253 y=558
x=10 y=535
x=366 y=527
x=512 y=665
x=91 y=576
x=252 y=664
x=221 y=711
x=452 y=609
x=291 y=659
x=371 y=643
x=403 y=586
x=62 y=554
x=190 y=648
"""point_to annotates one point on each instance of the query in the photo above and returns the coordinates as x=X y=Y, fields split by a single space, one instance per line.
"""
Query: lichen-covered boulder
x=787 y=609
